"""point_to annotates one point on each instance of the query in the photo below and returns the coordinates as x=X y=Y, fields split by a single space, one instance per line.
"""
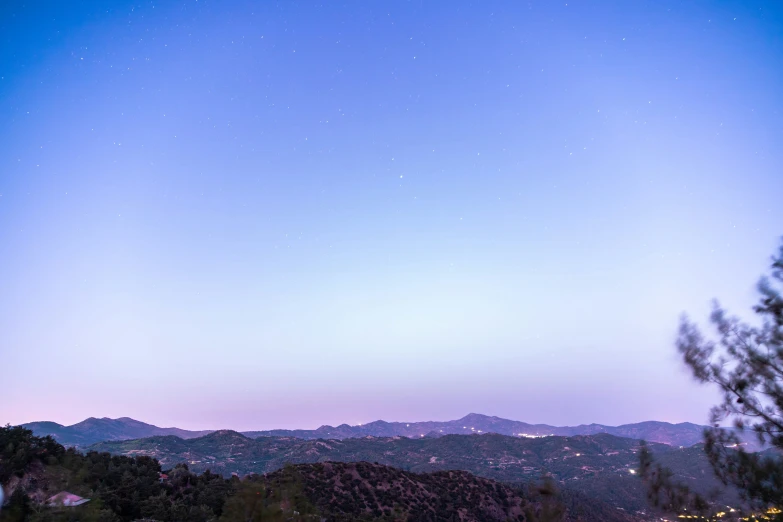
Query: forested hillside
x=600 y=466
x=130 y=488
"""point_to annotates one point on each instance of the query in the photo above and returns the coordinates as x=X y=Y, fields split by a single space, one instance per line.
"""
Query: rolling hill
x=127 y=489
x=599 y=466
x=365 y=491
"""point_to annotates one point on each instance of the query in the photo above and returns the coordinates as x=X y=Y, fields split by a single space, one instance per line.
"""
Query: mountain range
x=599 y=466
x=683 y=434
x=136 y=488
x=93 y=430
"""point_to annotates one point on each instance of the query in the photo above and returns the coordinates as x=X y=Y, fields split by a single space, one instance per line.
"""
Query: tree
x=745 y=362
x=260 y=499
x=549 y=508
x=18 y=506
x=19 y=447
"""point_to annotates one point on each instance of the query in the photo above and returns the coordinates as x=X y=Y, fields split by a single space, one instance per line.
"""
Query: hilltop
x=365 y=491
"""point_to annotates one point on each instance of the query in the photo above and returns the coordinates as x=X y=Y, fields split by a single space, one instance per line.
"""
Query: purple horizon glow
x=281 y=216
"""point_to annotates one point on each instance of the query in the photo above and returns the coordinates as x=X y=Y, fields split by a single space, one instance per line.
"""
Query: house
x=162 y=477
x=65 y=499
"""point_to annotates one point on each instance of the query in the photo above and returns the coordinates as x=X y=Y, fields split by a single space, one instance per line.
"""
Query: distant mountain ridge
x=682 y=434
x=93 y=430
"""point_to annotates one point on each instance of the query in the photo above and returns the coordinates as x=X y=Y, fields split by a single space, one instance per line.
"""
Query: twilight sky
x=285 y=214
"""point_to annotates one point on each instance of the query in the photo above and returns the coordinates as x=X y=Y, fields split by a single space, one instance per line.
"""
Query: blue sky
x=257 y=214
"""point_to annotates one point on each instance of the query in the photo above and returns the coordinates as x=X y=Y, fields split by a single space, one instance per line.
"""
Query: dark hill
x=364 y=491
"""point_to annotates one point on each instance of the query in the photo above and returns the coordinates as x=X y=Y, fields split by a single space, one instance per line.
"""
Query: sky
x=256 y=215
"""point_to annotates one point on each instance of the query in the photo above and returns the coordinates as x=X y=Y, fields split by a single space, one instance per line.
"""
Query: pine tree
x=745 y=362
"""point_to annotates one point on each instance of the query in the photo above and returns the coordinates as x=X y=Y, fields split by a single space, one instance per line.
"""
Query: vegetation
x=120 y=488
x=19 y=448
x=270 y=499
x=363 y=491
x=596 y=466
x=133 y=488
x=745 y=363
